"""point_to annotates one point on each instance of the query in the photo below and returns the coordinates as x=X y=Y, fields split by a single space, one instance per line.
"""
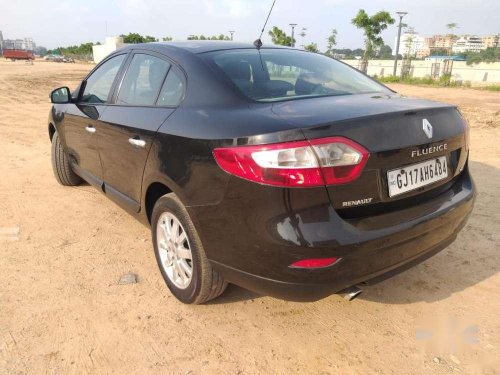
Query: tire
x=61 y=166
x=205 y=283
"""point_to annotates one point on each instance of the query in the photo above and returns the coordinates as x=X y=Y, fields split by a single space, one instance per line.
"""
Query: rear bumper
x=257 y=247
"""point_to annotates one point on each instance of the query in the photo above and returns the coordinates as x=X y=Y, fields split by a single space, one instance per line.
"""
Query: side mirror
x=61 y=95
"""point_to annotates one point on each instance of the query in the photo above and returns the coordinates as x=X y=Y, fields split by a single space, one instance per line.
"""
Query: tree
x=167 y=38
x=134 y=38
x=451 y=26
x=41 y=51
x=489 y=55
x=439 y=51
x=279 y=37
x=203 y=37
x=331 y=42
x=312 y=47
x=83 y=51
x=385 y=52
x=372 y=27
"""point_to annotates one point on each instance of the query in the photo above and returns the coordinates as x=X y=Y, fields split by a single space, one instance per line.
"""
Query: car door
x=80 y=123
x=128 y=126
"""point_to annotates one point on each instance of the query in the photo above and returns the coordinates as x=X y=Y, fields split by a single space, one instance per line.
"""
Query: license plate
x=412 y=177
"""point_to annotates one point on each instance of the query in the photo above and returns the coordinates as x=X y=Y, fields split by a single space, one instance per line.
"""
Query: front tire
x=61 y=166
x=180 y=254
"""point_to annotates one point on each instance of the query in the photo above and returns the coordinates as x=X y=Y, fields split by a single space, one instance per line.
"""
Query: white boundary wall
x=477 y=74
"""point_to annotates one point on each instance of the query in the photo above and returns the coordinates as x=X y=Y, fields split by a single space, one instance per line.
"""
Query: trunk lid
x=391 y=128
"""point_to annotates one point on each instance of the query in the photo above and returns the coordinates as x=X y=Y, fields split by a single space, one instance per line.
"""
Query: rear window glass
x=281 y=74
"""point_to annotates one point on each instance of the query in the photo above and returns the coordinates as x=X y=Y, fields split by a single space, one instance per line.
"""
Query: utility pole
x=232 y=33
x=293 y=33
x=401 y=15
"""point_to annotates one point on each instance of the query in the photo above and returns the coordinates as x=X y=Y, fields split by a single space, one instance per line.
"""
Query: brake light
x=325 y=161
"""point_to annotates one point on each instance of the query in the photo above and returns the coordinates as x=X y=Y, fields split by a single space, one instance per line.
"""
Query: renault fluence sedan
x=283 y=171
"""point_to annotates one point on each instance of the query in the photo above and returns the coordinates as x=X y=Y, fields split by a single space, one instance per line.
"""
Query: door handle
x=137 y=142
x=90 y=129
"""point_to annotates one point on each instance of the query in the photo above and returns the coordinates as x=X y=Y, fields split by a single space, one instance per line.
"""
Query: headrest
x=238 y=70
x=306 y=83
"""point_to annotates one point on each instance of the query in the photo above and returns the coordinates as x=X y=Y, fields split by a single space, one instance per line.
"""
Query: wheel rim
x=175 y=251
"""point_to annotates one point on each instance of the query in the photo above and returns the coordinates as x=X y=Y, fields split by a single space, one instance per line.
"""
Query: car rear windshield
x=283 y=74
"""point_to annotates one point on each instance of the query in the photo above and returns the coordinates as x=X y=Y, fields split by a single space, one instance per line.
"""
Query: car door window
x=172 y=90
x=99 y=83
x=142 y=81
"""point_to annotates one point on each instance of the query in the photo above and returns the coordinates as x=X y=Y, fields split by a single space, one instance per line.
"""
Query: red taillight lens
x=314 y=263
x=325 y=161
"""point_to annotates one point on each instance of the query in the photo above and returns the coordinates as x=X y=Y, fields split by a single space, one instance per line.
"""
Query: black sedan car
x=285 y=172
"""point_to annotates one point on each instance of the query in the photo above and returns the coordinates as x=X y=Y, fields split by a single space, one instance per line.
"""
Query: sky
x=53 y=23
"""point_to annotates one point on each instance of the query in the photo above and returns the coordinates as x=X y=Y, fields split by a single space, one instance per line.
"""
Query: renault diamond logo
x=427 y=127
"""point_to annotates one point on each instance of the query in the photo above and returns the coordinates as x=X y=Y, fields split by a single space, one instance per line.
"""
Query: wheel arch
x=154 y=192
x=52 y=131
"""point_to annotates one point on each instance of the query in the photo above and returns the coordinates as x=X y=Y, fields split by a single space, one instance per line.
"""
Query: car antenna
x=258 y=42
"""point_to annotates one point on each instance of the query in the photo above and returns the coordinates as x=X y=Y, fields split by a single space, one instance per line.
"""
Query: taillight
x=325 y=161
x=466 y=126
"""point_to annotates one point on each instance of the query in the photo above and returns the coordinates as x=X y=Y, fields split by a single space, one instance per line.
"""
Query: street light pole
x=401 y=15
x=293 y=33
x=231 y=32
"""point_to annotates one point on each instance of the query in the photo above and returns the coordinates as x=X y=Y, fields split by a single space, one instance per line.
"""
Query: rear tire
x=205 y=282
x=61 y=166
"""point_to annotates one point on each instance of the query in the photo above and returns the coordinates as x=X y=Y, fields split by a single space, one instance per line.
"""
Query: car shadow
x=234 y=293
x=471 y=259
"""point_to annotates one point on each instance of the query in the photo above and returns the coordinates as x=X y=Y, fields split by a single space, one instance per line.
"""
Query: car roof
x=198 y=46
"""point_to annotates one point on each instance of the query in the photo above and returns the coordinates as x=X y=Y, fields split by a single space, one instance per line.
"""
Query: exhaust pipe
x=352 y=292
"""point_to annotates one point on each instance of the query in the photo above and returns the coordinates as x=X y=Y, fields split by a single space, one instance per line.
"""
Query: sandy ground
x=62 y=310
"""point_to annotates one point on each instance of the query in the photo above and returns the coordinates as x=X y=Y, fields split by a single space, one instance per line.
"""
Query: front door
x=127 y=127
x=80 y=126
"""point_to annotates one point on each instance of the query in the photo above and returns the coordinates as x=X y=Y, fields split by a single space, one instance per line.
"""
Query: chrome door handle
x=90 y=129
x=137 y=142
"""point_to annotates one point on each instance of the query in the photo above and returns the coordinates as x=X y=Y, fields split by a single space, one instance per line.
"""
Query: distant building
x=24 y=44
x=468 y=43
x=1 y=43
x=440 y=42
x=111 y=44
x=411 y=43
x=491 y=41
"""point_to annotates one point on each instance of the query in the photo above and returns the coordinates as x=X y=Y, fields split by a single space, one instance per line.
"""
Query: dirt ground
x=62 y=310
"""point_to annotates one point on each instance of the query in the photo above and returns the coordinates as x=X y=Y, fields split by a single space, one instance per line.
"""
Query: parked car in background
x=286 y=172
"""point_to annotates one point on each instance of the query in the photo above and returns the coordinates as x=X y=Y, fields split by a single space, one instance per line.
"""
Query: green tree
x=213 y=37
x=331 y=42
x=134 y=38
x=489 y=55
x=82 y=52
x=279 y=37
x=312 y=47
x=372 y=26
x=41 y=51
x=439 y=51
x=385 y=52
x=451 y=26
x=167 y=38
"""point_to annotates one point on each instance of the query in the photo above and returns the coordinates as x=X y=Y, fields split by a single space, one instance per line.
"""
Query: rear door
x=80 y=126
x=128 y=126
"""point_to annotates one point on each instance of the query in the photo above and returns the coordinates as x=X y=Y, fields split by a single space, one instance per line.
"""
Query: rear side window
x=173 y=89
x=100 y=82
x=142 y=81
